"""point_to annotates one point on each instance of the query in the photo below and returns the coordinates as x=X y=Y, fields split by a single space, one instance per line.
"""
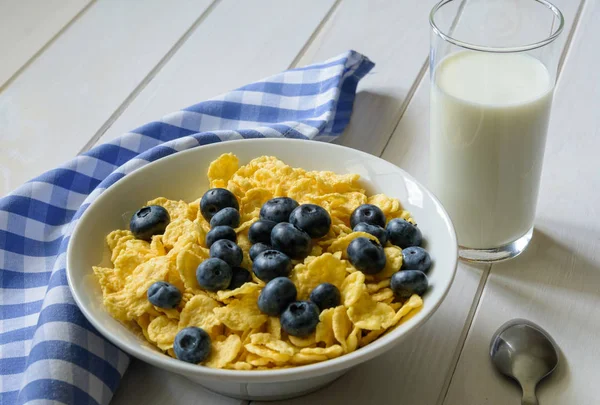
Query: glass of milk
x=493 y=65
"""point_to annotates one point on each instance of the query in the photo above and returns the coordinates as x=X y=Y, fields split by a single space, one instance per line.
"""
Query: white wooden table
x=74 y=73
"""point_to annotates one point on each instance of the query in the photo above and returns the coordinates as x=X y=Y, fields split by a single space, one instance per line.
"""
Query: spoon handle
x=529 y=397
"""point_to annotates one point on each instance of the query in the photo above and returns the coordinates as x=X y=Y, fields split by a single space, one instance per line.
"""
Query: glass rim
x=483 y=48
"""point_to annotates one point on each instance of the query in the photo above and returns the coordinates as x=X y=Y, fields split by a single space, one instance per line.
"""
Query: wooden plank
x=239 y=43
x=395 y=35
x=61 y=99
x=555 y=283
x=26 y=26
x=148 y=385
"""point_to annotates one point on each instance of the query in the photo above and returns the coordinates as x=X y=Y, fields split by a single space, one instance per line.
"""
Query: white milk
x=489 y=115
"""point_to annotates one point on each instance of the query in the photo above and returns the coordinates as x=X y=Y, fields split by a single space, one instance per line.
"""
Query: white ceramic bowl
x=183 y=176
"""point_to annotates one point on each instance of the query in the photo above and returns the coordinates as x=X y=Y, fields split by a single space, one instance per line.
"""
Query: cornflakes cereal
x=109 y=281
x=182 y=231
x=199 y=312
x=274 y=327
x=308 y=358
x=323 y=269
x=370 y=336
x=341 y=326
x=393 y=262
x=272 y=343
x=187 y=262
x=224 y=352
x=341 y=244
x=242 y=337
x=222 y=169
x=366 y=313
x=324 y=332
x=241 y=314
x=383 y=295
x=353 y=288
x=307 y=341
x=372 y=288
x=162 y=331
x=176 y=209
x=267 y=353
x=330 y=352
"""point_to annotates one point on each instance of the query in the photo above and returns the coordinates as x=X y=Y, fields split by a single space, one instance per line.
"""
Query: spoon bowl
x=526 y=353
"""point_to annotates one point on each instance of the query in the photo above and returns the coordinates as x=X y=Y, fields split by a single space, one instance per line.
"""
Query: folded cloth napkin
x=48 y=350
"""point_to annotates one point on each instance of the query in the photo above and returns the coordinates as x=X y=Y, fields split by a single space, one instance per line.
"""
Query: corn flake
x=162 y=331
x=222 y=169
x=353 y=288
x=176 y=209
x=341 y=244
x=199 y=312
x=306 y=341
x=324 y=332
x=224 y=352
x=323 y=269
x=368 y=314
x=241 y=314
x=393 y=262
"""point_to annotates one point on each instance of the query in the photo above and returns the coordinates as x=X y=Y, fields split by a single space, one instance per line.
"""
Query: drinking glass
x=493 y=66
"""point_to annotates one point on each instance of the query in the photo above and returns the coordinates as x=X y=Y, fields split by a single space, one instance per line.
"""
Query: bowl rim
x=345 y=361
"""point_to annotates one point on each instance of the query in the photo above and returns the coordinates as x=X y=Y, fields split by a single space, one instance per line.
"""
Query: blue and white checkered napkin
x=48 y=350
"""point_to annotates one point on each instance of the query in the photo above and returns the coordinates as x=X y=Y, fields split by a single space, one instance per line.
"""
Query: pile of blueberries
x=283 y=232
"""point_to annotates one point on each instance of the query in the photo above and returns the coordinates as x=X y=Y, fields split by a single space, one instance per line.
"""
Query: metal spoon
x=525 y=352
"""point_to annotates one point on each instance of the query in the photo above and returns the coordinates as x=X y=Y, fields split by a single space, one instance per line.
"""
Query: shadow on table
x=374 y=117
x=552 y=262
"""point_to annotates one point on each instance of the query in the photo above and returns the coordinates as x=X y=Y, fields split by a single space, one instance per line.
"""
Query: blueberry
x=366 y=255
x=214 y=274
x=276 y=296
x=325 y=296
x=270 y=264
x=278 y=209
x=192 y=345
x=164 y=295
x=260 y=232
x=214 y=200
x=257 y=249
x=374 y=230
x=148 y=221
x=219 y=233
x=239 y=277
x=312 y=219
x=227 y=216
x=227 y=251
x=416 y=258
x=300 y=318
x=405 y=283
x=403 y=234
x=290 y=240
x=369 y=213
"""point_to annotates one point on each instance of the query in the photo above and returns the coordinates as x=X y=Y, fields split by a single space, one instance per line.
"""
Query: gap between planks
x=161 y=63
x=46 y=45
x=488 y=269
x=315 y=33
x=460 y=346
x=119 y=111
x=570 y=36
x=419 y=79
